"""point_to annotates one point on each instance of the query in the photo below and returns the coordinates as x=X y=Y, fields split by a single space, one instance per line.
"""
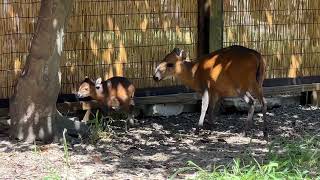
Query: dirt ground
x=155 y=148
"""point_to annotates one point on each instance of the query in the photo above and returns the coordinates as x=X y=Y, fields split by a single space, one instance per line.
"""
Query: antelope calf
x=229 y=72
x=114 y=93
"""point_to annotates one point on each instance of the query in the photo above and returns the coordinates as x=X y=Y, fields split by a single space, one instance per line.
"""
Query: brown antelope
x=228 y=72
x=114 y=93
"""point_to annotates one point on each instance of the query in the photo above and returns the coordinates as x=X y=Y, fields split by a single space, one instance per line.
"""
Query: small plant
x=299 y=154
x=53 y=175
x=65 y=148
x=191 y=166
x=294 y=159
x=237 y=170
x=36 y=149
x=100 y=129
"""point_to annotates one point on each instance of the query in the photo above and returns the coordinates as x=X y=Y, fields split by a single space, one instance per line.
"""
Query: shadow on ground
x=158 y=146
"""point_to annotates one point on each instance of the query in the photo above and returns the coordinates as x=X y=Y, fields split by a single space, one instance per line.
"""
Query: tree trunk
x=33 y=111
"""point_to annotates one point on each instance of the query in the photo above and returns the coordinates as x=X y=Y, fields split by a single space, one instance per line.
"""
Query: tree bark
x=33 y=111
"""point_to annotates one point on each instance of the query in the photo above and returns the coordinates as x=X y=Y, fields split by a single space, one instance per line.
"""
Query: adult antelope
x=229 y=72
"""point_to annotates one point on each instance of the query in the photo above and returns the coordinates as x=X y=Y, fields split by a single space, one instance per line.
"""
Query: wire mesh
x=286 y=32
x=128 y=37
x=104 y=38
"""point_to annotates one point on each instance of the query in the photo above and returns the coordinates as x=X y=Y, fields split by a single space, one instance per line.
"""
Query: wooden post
x=315 y=98
x=216 y=31
x=203 y=27
x=216 y=25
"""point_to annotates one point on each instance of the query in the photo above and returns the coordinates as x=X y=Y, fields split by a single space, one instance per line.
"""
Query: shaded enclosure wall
x=104 y=38
x=286 y=32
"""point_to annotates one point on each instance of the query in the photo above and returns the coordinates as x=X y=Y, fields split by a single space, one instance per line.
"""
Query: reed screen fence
x=104 y=38
x=286 y=32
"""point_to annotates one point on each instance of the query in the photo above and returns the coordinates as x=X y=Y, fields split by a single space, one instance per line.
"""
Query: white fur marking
x=157 y=72
x=157 y=69
x=99 y=81
x=246 y=99
x=181 y=51
x=98 y=85
x=204 y=107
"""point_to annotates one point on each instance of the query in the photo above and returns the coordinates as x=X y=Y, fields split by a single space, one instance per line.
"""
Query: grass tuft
x=65 y=149
x=100 y=129
x=53 y=175
x=287 y=159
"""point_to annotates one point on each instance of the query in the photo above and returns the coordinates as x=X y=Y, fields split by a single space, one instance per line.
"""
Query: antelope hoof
x=245 y=133
x=131 y=122
x=209 y=122
x=197 y=131
x=208 y=126
x=126 y=128
x=265 y=135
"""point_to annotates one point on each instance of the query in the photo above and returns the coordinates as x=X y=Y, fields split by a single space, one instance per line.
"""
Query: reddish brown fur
x=87 y=89
x=118 y=92
x=228 y=72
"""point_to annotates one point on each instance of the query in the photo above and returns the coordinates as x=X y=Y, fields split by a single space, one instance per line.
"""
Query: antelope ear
x=181 y=53
x=87 y=79
x=109 y=84
x=178 y=51
x=184 y=55
x=99 y=81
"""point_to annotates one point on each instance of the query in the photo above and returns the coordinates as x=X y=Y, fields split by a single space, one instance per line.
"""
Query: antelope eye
x=170 y=65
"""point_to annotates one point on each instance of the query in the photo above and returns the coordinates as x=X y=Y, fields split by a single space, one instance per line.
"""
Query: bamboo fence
x=286 y=32
x=128 y=38
x=104 y=38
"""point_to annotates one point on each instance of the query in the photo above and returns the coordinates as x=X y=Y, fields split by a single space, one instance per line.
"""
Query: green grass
x=99 y=130
x=35 y=149
x=65 y=149
x=53 y=175
x=287 y=159
x=300 y=154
